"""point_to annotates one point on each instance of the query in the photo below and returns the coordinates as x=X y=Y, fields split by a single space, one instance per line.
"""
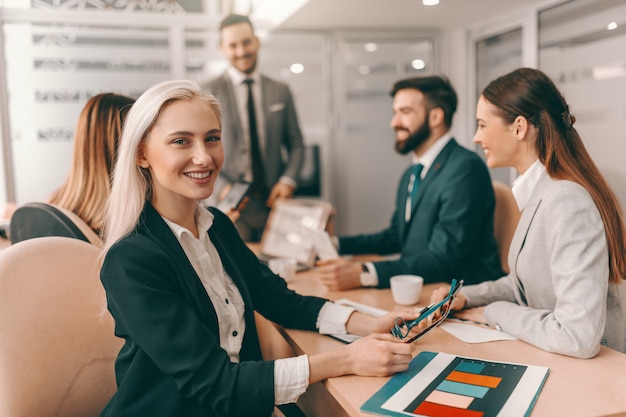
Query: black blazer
x=171 y=363
x=450 y=233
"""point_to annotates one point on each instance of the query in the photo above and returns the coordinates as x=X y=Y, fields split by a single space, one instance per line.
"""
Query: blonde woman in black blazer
x=182 y=286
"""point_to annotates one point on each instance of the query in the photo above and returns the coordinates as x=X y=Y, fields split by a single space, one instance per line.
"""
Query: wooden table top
x=574 y=387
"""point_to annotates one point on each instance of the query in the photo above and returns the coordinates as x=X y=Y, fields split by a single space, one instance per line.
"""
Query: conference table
x=574 y=387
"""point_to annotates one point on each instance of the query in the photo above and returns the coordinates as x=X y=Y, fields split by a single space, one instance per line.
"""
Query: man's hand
x=233 y=215
x=340 y=274
x=280 y=190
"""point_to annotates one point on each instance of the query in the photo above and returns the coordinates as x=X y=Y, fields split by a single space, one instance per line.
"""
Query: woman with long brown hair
x=96 y=139
x=568 y=253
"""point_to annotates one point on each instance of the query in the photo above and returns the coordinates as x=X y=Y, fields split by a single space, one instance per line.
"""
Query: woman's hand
x=374 y=355
x=458 y=302
x=364 y=324
x=475 y=314
x=378 y=355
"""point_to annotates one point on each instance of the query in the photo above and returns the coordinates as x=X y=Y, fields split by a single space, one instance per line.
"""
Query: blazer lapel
x=267 y=97
x=162 y=234
x=519 y=237
x=230 y=266
x=230 y=103
x=403 y=194
x=438 y=164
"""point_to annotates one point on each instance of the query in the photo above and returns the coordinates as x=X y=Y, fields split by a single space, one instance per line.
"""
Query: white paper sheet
x=471 y=333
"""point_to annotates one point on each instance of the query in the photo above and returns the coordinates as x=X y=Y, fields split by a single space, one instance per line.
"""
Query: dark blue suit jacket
x=171 y=363
x=450 y=234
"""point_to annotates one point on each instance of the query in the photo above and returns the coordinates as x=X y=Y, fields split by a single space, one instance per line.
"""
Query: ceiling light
x=370 y=47
x=296 y=68
x=430 y=2
x=607 y=72
x=611 y=26
x=418 y=64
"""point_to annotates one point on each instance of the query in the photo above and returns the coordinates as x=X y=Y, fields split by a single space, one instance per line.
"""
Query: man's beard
x=414 y=140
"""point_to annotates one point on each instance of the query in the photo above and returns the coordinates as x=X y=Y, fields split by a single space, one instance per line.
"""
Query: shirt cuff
x=291 y=379
x=289 y=181
x=369 y=278
x=333 y=317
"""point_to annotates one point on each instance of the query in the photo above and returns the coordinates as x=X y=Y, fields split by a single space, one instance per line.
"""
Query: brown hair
x=87 y=187
x=530 y=93
x=436 y=89
x=234 y=19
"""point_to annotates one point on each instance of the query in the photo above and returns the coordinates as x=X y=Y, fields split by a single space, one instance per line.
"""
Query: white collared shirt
x=291 y=375
x=241 y=96
x=524 y=185
x=432 y=153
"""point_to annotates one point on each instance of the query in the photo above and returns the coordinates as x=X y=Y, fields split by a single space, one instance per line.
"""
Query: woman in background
x=183 y=287
x=96 y=139
x=564 y=293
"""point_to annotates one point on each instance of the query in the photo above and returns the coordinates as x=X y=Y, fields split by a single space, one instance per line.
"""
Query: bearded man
x=442 y=226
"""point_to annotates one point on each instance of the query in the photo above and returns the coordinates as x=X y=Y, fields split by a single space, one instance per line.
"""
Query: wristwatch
x=367 y=278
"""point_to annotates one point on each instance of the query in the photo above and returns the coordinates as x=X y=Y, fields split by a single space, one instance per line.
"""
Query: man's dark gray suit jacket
x=282 y=132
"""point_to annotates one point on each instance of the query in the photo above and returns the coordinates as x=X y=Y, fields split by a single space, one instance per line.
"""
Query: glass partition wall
x=56 y=59
x=54 y=64
x=582 y=47
x=368 y=168
x=52 y=70
x=496 y=55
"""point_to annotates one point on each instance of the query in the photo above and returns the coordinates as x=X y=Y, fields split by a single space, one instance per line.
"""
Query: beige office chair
x=57 y=346
x=505 y=219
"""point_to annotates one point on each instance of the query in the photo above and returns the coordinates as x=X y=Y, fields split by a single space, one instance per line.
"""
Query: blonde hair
x=131 y=185
x=86 y=189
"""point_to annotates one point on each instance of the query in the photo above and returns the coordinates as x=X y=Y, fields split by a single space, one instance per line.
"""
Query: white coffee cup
x=285 y=267
x=406 y=289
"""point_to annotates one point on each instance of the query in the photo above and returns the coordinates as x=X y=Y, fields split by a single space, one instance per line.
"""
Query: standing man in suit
x=255 y=137
x=442 y=226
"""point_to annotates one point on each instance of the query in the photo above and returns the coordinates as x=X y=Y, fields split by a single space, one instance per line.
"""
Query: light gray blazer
x=557 y=295
x=282 y=132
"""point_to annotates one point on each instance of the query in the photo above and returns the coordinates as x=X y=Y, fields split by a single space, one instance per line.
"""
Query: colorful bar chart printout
x=443 y=385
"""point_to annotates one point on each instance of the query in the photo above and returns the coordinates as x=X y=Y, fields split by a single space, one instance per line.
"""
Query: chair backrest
x=57 y=342
x=39 y=219
x=506 y=217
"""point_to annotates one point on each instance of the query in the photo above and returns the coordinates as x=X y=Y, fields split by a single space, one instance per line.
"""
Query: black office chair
x=41 y=220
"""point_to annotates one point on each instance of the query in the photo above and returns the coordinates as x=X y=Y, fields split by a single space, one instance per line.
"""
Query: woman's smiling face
x=495 y=136
x=183 y=152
